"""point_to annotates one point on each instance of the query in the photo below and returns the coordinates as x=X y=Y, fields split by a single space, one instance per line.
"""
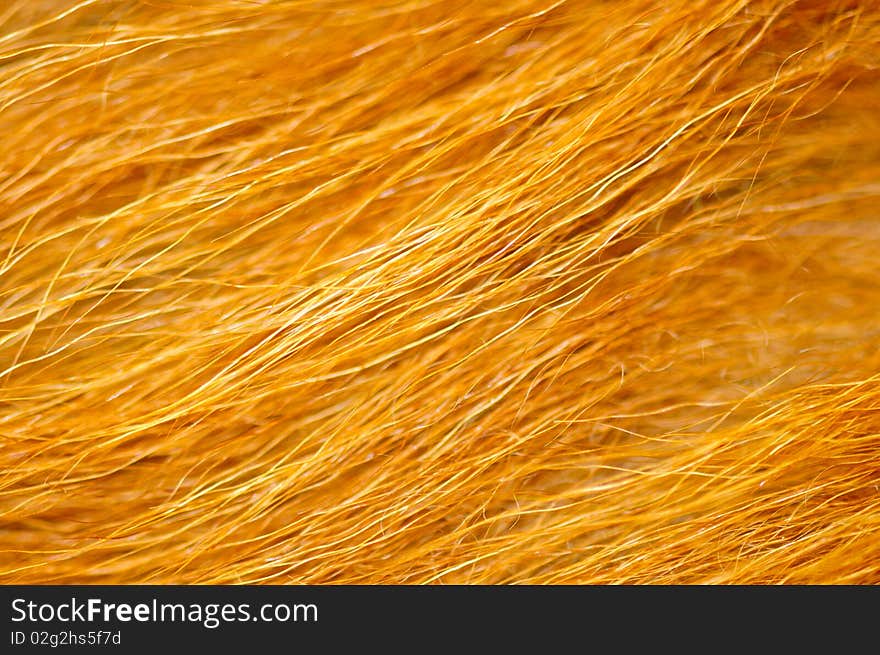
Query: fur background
x=419 y=291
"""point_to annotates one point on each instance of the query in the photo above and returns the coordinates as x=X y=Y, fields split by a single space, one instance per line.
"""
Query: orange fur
x=406 y=291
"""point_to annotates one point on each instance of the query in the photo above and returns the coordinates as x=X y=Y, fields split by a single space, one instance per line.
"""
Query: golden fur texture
x=421 y=291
